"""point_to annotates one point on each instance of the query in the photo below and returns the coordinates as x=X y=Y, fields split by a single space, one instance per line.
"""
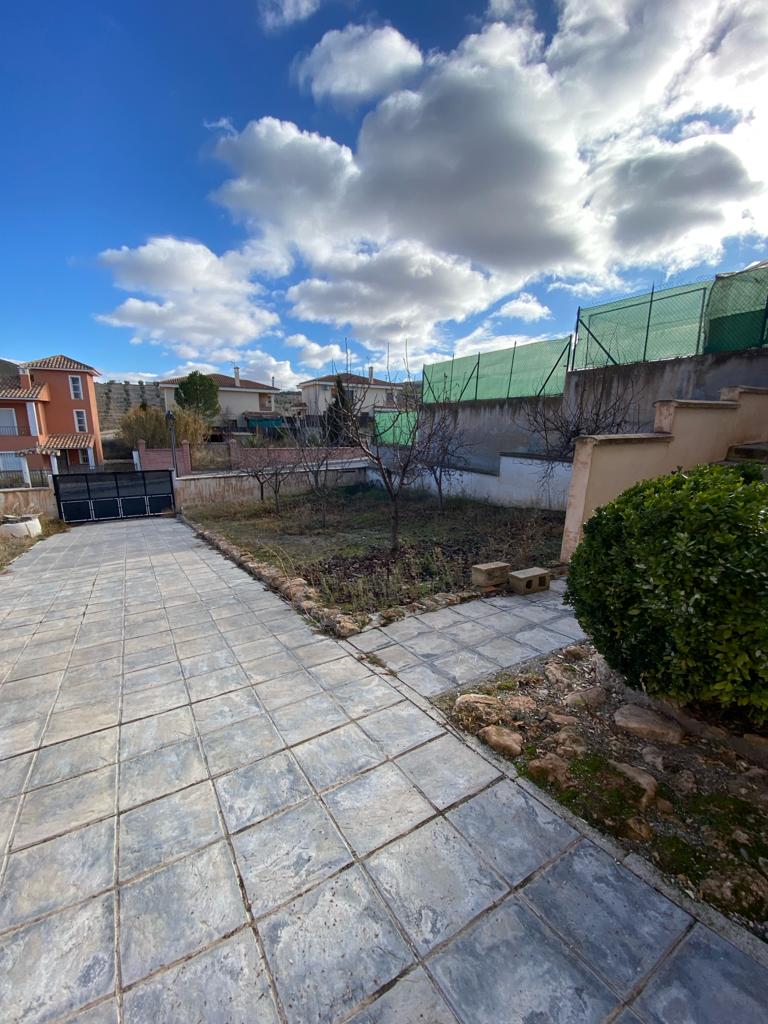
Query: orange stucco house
x=48 y=416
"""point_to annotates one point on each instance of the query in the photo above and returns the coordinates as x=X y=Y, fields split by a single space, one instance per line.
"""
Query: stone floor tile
x=434 y=883
x=425 y=680
x=218 y=712
x=27 y=667
x=250 y=794
x=569 y=626
x=181 y=634
x=530 y=835
x=227 y=983
x=213 y=684
x=479 y=609
x=399 y=728
x=201 y=664
x=705 y=981
x=331 y=949
x=506 y=623
x=8 y=810
x=156 y=731
x=144 y=703
x=67 y=725
x=55 y=966
x=370 y=640
x=288 y=853
x=336 y=756
x=431 y=644
x=23 y=736
x=506 y=652
x=465 y=667
x=188 y=615
x=619 y=925
x=161 y=655
x=46 y=685
x=178 y=910
x=167 y=828
x=100 y=652
x=405 y=629
x=272 y=666
x=64 y=806
x=241 y=743
x=13 y=775
x=57 y=873
x=413 y=999
x=209 y=644
x=287 y=689
x=157 y=675
x=365 y=695
x=158 y=772
x=248 y=650
x=445 y=770
x=137 y=645
x=145 y=623
x=307 y=718
x=395 y=657
x=467 y=632
x=86 y=695
x=341 y=671
x=317 y=653
x=542 y=640
x=377 y=807
x=103 y=1013
x=509 y=968
x=537 y=610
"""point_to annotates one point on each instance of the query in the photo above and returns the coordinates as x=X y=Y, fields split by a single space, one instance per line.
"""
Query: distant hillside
x=116 y=397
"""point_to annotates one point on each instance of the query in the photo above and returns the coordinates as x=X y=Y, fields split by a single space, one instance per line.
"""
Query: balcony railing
x=9 y=430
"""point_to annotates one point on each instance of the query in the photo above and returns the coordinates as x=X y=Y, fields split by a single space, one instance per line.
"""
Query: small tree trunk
x=395 y=537
x=439 y=483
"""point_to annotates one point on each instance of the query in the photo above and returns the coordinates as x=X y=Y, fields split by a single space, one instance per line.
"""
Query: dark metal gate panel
x=87 y=497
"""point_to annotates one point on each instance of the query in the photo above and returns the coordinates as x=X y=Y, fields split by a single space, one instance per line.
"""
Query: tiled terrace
x=211 y=813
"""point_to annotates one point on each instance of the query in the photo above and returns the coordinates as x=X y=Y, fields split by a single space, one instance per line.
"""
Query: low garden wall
x=162 y=458
x=28 y=501
x=209 y=488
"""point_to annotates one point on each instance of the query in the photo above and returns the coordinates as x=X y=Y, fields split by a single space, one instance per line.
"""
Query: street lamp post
x=170 y=421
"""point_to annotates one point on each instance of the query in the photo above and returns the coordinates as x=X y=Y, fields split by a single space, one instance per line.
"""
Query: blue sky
x=286 y=184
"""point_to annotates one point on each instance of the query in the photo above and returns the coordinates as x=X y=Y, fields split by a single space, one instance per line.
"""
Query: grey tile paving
x=58 y=873
x=307 y=718
x=331 y=949
x=446 y=771
x=66 y=805
x=531 y=836
x=240 y=743
x=226 y=983
x=434 y=882
x=258 y=678
x=288 y=853
x=411 y=1000
x=509 y=968
x=377 y=807
x=337 y=756
x=400 y=727
x=252 y=793
x=178 y=910
x=158 y=772
x=57 y=965
x=619 y=927
x=167 y=828
x=706 y=981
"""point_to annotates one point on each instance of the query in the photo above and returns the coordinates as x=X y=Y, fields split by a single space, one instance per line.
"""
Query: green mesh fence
x=394 y=426
x=537 y=368
x=662 y=324
x=737 y=312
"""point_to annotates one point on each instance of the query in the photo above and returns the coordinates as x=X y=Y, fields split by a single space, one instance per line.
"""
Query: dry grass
x=12 y=547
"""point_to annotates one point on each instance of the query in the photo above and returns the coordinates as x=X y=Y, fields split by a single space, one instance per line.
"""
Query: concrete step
x=754 y=451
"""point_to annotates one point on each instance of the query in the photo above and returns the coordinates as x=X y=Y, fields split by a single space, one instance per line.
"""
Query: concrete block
x=529 y=581
x=490 y=574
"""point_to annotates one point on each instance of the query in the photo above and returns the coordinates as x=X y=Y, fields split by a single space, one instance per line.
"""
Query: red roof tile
x=350 y=378
x=58 y=363
x=9 y=389
x=221 y=380
x=59 y=442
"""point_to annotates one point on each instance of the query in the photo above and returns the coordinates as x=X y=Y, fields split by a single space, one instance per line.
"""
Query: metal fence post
x=648 y=321
x=477 y=375
x=575 y=338
x=511 y=368
x=701 y=320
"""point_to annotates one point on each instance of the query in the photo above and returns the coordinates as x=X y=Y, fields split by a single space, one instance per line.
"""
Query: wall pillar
x=141 y=449
x=91 y=460
x=25 y=470
x=34 y=429
x=54 y=462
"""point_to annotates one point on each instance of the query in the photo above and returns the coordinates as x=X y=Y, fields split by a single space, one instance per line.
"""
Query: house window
x=81 y=423
x=76 y=387
x=84 y=456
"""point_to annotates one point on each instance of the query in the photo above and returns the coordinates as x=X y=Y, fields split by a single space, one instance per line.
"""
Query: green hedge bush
x=671 y=582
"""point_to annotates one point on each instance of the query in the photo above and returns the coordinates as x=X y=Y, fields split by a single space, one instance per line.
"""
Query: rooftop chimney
x=370 y=374
x=273 y=380
x=237 y=376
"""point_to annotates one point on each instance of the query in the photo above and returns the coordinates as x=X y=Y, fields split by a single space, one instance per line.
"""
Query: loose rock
x=553 y=769
x=592 y=697
x=503 y=740
x=647 y=724
x=638 y=828
x=683 y=782
x=479 y=709
x=569 y=742
x=519 y=702
x=559 y=719
x=641 y=778
x=654 y=757
x=559 y=674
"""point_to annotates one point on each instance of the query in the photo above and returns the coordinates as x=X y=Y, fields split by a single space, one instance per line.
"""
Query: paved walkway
x=213 y=814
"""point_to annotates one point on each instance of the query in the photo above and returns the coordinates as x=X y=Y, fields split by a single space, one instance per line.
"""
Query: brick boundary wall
x=162 y=458
x=243 y=458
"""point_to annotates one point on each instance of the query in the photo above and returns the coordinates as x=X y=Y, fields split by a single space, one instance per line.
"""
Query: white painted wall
x=524 y=483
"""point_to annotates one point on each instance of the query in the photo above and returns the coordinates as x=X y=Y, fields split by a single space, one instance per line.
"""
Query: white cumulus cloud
x=524 y=307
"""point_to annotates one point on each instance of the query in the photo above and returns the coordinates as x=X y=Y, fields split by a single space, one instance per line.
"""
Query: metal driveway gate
x=85 y=497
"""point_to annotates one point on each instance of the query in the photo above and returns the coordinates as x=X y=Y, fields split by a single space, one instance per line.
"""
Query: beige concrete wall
x=210 y=488
x=28 y=501
x=233 y=402
x=317 y=397
x=687 y=434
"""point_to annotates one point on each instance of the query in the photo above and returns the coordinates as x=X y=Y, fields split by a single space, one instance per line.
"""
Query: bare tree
x=601 y=403
x=271 y=467
x=315 y=449
x=442 y=450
